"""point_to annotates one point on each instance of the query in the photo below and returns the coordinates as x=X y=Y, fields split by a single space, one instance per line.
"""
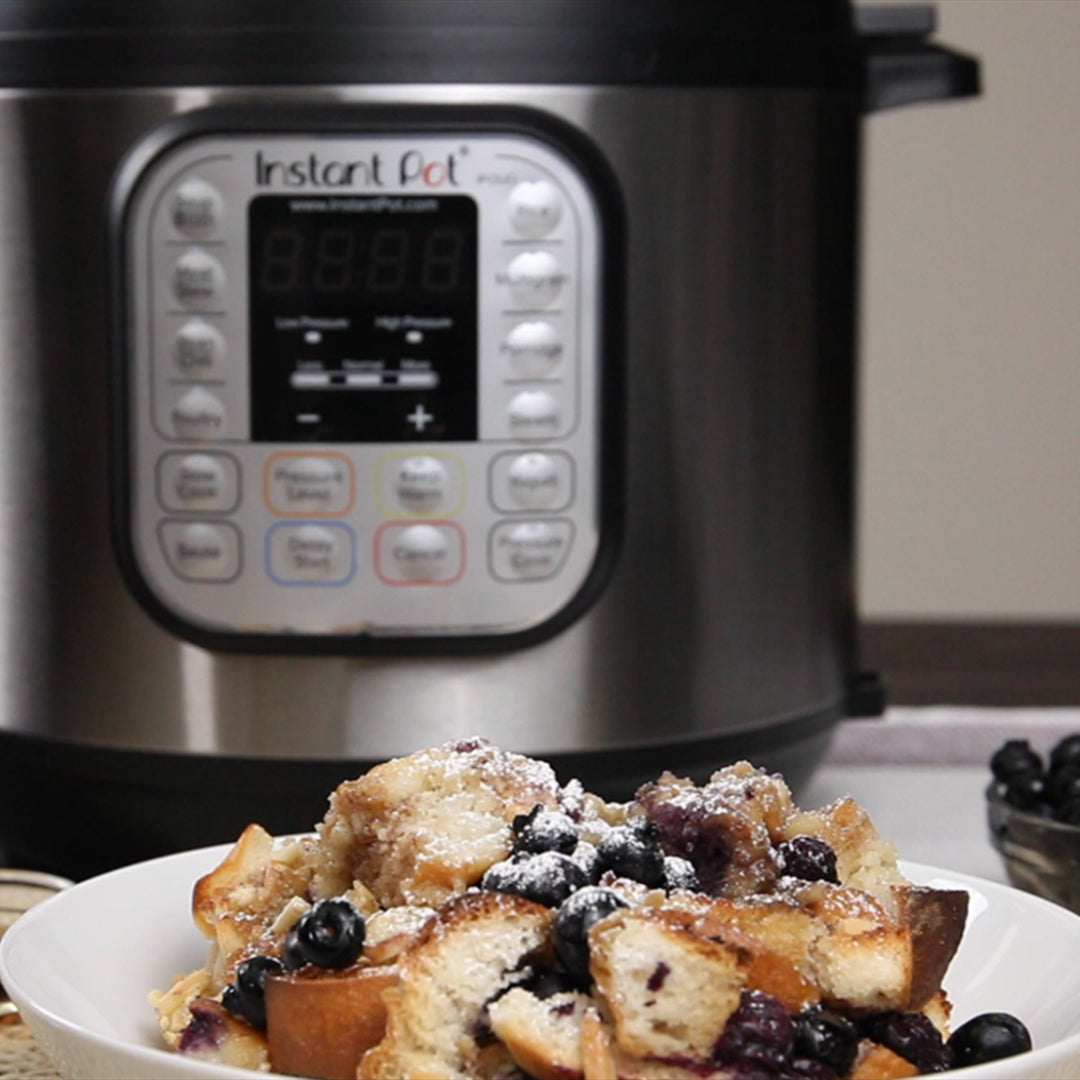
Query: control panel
x=362 y=382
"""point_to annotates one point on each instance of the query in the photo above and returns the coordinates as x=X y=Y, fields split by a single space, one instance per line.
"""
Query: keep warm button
x=529 y=550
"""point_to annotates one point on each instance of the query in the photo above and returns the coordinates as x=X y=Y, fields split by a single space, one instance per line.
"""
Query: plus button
x=420 y=418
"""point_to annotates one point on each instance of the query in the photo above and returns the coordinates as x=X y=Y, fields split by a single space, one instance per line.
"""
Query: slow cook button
x=201 y=550
x=533 y=349
x=534 y=414
x=197 y=208
x=535 y=208
x=306 y=485
x=206 y=482
x=311 y=554
x=412 y=554
x=534 y=278
x=199 y=281
x=529 y=550
x=198 y=414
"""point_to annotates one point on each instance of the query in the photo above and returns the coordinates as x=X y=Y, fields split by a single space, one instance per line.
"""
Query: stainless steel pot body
x=729 y=613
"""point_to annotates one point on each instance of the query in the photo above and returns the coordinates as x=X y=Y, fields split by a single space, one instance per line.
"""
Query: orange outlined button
x=318 y=484
x=419 y=553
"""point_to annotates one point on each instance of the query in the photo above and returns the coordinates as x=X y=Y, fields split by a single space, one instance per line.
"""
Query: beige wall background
x=969 y=495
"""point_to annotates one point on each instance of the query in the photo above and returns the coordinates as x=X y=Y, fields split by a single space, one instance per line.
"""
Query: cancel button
x=529 y=550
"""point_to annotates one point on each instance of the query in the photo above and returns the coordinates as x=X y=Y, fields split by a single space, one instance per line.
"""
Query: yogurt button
x=535 y=279
x=534 y=481
x=535 y=208
x=202 y=551
x=422 y=552
x=198 y=414
x=421 y=484
x=197 y=208
x=533 y=349
x=199 y=280
x=534 y=414
x=200 y=350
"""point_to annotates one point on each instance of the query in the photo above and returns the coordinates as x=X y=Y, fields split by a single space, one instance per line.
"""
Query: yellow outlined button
x=419 y=484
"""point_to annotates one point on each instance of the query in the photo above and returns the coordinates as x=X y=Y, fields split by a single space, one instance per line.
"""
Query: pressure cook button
x=199 y=281
x=534 y=349
x=535 y=208
x=198 y=414
x=200 y=350
x=197 y=208
x=309 y=484
x=534 y=278
x=421 y=484
x=207 y=482
x=202 y=551
x=323 y=554
x=534 y=414
x=529 y=550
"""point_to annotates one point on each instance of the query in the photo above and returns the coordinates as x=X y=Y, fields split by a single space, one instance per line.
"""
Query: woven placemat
x=20 y=1056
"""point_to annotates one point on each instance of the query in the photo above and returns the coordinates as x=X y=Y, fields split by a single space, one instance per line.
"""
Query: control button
x=534 y=481
x=535 y=279
x=410 y=554
x=534 y=349
x=207 y=482
x=201 y=551
x=199 y=281
x=535 y=208
x=534 y=414
x=421 y=484
x=529 y=550
x=200 y=350
x=197 y=208
x=198 y=414
x=419 y=418
x=309 y=485
x=320 y=554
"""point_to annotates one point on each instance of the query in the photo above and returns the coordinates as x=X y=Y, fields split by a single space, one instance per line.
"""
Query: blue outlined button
x=310 y=553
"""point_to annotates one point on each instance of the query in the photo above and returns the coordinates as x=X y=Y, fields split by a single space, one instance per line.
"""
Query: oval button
x=421 y=484
x=534 y=481
x=535 y=279
x=198 y=414
x=202 y=551
x=199 y=281
x=200 y=350
x=197 y=208
x=422 y=552
x=533 y=349
x=534 y=414
x=535 y=208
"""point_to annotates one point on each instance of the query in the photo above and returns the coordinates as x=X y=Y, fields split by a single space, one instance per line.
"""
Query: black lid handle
x=902 y=66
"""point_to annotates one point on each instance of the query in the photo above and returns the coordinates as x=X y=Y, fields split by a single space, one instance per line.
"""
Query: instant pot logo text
x=412 y=169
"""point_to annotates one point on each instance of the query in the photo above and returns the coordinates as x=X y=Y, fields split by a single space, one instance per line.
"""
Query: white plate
x=80 y=965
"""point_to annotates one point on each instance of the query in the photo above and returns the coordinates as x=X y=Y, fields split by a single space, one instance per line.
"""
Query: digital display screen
x=363 y=318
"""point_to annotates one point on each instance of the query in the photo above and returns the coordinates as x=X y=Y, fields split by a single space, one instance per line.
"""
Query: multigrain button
x=534 y=414
x=533 y=349
x=202 y=551
x=535 y=208
x=529 y=550
x=309 y=484
x=199 y=350
x=198 y=414
x=421 y=484
x=319 y=554
x=534 y=278
x=197 y=208
x=206 y=482
x=199 y=281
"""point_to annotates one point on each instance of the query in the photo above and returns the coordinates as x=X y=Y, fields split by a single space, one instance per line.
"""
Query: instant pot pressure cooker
x=389 y=372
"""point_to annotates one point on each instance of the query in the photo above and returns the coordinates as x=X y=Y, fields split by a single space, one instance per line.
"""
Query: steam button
x=201 y=551
x=197 y=208
x=535 y=208
x=533 y=349
x=534 y=414
x=199 y=281
x=198 y=414
x=200 y=350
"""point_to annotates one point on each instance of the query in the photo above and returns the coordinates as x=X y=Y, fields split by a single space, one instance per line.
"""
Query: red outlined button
x=419 y=553
x=309 y=484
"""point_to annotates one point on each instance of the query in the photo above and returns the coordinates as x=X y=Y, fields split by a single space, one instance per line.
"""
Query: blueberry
x=913 y=1036
x=547 y=982
x=633 y=851
x=808 y=1069
x=544 y=830
x=680 y=874
x=548 y=878
x=1066 y=754
x=759 y=1030
x=1062 y=785
x=1027 y=791
x=570 y=932
x=1015 y=758
x=1068 y=813
x=826 y=1037
x=330 y=935
x=988 y=1037
x=809 y=858
x=246 y=996
x=588 y=858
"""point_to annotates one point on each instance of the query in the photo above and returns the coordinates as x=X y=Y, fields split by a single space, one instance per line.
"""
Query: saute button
x=535 y=279
x=534 y=349
x=208 y=482
x=198 y=414
x=311 y=553
x=534 y=414
x=199 y=281
x=197 y=208
x=202 y=551
x=421 y=484
x=200 y=350
x=529 y=550
x=535 y=208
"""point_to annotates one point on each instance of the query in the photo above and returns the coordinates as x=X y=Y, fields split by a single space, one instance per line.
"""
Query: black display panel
x=363 y=318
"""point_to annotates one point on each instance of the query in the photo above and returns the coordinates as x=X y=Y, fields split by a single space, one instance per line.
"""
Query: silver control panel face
x=363 y=382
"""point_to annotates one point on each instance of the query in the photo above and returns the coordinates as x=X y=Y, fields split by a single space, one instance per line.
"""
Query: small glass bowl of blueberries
x=1033 y=808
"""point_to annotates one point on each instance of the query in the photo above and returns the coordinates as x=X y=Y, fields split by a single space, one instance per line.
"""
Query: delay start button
x=318 y=554
x=529 y=550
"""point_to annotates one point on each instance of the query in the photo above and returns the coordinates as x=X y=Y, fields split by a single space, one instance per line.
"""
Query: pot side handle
x=902 y=66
